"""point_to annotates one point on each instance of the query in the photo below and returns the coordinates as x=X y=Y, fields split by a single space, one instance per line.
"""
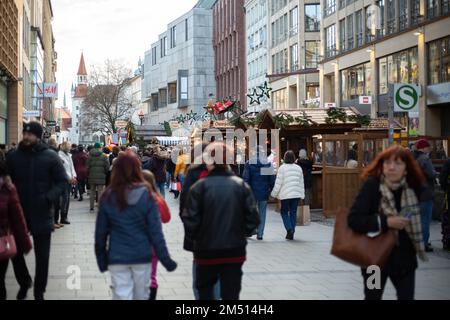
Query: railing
x=403 y=22
x=293 y=31
x=445 y=7
x=359 y=39
x=330 y=51
x=330 y=10
x=350 y=43
x=432 y=12
x=390 y=26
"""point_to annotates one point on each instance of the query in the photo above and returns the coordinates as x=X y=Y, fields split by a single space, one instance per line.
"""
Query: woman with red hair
x=388 y=199
x=128 y=228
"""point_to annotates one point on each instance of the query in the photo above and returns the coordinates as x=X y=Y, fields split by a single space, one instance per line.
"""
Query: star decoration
x=254 y=97
x=265 y=90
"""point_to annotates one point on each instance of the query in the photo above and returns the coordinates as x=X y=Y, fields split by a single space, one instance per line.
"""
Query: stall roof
x=380 y=124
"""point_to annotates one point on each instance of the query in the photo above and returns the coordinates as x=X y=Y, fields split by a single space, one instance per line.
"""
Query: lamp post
x=141 y=117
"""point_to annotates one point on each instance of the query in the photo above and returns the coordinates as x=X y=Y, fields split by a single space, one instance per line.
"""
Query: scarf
x=410 y=209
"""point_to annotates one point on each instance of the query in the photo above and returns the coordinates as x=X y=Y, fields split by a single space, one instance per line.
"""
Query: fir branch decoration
x=336 y=114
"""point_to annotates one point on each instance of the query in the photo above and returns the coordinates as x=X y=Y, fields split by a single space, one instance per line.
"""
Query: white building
x=78 y=95
x=257 y=60
x=178 y=71
x=134 y=90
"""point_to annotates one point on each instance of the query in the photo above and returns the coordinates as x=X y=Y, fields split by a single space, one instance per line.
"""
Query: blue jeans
x=194 y=286
x=161 y=187
x=181 y=178
x=426 y=213
x=289 y=213
x=262 y=208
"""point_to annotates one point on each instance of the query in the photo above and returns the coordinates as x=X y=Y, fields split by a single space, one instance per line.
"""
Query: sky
x=107 y=29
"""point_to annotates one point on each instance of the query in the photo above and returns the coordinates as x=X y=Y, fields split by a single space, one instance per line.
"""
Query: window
x=279 y=99
x=341 y=4
x=293 y=22
x=380 y=31
x=342 y=47
x=155 y=105
x=312 y=54
x=359 y=28
x=445 y=7
x=398 y=67
x=403 y=14
x=279 y=30
x=356 y=81
x=432 y=9
x=439 y=61
x=330 y=7
x=186 y=30
x=312 y=17
x=163 y=47
x=415 y=12
x=26 y=34
x=162 y=98
x=173 y=37
x=390 y=26
x=278 y=5
x=350 y=42
x=153 y=56
x=294 y=57
x=172 y=92
x=330 y=36
x=369 y=16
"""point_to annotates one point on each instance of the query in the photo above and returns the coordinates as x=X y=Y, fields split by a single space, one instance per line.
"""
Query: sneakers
x=290 y=235
x=259 y=238
x=65 y=222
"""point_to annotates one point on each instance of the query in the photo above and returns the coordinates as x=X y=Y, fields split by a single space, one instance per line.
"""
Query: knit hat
x=422 y=143
x=34 y=128
x=97 y=145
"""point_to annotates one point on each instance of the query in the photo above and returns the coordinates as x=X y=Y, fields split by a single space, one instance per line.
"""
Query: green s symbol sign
x=406 y=97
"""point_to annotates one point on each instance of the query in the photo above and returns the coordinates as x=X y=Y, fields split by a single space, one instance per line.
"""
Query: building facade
x=178 y=70
x=50 y=56
x=79 y=93
x=256 y=18
x=229 y=41
x=294 y=46
x=369 y=45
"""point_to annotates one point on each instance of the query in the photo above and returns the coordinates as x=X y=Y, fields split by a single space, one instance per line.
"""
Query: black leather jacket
x=220 y=213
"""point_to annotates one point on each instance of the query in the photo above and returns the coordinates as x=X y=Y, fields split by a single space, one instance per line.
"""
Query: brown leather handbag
x=8 y=247
x=358 y=248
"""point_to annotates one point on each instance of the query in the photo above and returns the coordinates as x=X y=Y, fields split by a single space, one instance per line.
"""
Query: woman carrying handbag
x=388 y=200
x=13 y=229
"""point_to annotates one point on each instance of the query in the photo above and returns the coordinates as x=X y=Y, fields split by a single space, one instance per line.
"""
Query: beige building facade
x=293 y=53
x=369 y=45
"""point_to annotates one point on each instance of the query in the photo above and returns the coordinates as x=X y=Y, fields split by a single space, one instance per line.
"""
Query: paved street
x=276 y=268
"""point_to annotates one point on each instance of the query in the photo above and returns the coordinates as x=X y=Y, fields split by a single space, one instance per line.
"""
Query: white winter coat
x=289 y=183
x=68 y=165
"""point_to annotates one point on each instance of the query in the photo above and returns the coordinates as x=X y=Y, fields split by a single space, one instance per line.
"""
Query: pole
x=391 y=114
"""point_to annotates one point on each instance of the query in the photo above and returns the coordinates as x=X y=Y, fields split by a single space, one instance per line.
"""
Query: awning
x=173 y=141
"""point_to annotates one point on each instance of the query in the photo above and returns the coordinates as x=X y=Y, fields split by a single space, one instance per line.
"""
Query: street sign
x=57 y=129
x=365 y=99
x=51 y=123
x=31 y=113
x=406 y=97
x=121 y=124
x=330 y=105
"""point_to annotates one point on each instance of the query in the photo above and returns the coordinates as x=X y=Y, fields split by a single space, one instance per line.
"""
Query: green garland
x=166 y=126
x=362 y=120
x=336 y=114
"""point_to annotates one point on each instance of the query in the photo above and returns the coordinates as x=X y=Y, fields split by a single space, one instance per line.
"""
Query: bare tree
x=108 y=99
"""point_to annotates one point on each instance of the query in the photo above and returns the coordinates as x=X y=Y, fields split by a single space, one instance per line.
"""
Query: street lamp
x=141 y=116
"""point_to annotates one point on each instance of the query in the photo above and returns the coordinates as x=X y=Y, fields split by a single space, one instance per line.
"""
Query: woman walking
x=289 y=188
x=128 y=228
x=12 y=221
x=388 y=199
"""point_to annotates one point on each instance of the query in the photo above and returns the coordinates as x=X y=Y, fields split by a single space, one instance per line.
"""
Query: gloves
x=170 y=265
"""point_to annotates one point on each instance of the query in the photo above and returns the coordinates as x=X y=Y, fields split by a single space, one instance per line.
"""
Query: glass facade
x=312 y=17
x=330 y=36
x=439 y=61
x=356 y=81
x=312 y=56
x=400 y=67
x=279 y=99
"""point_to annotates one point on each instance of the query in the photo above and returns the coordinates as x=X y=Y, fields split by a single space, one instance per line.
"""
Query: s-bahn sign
x=406 y=97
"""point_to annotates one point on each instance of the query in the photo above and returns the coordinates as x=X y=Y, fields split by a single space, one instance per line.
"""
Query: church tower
x=82 y=74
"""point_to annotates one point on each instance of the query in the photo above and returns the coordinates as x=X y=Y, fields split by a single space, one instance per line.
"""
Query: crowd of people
x=220 y=206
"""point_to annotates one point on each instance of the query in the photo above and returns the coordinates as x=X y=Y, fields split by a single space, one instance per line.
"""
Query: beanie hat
x=422 y=143
x=34 y=128
x=97 y=145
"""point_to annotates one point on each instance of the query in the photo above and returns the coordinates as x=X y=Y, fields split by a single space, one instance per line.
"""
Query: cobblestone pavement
x=275 y=268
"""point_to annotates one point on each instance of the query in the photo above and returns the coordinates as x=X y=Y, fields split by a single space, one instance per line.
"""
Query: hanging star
x=254 y=97
x=265 y=90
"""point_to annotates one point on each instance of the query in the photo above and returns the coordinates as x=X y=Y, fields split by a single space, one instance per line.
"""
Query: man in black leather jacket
x=220 y=213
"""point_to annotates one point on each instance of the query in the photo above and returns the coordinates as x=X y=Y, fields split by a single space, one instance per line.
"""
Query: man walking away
x=426 y=202
x=40 y=180
x=80 y=163
x=98 y=168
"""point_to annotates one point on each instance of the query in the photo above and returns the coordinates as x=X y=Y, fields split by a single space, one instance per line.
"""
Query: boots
x=22 y=294
x=153 y=292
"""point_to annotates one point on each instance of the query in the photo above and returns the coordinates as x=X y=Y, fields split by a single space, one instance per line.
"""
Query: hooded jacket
x=127 y=236
x=98 y=167
x=40 y=179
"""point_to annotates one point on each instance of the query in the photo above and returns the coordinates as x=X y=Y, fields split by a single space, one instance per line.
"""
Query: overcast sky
x=116 y=29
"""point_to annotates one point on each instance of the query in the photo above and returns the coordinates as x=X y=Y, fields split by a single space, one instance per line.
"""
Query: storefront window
x=368 y=79
x=279 y=99
x=434 y=62
x=401 y=68
x=3 y=101
x=439 y=61
x=383 y=75
x=356 y=81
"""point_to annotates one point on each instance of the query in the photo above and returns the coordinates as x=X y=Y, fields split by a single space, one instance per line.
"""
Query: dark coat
x=11 y=216
x=158 y=167
x=192 y=176
x=261 y=184
x=79 y=159
x=98 y=167
x=444 y=178
x=430 y=174
x=220 y=213
x=40 y=179
x=363 y=218
x=307 y=166
x=128 y=236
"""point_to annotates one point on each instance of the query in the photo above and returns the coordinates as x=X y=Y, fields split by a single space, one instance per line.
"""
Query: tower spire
x=82 y=67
